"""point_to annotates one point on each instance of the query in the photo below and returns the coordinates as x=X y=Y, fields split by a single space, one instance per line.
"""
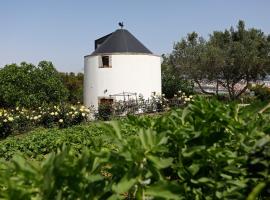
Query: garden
x=182 y=144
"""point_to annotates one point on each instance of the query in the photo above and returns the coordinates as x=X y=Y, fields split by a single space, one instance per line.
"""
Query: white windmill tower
x=120 y=64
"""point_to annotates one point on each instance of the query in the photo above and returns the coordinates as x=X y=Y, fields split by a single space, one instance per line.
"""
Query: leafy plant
x=208 y=150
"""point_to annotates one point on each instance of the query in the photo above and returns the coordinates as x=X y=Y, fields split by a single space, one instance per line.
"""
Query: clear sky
x=63 y=31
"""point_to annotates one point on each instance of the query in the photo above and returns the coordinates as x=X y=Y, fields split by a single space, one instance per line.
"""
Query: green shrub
x=105 y=112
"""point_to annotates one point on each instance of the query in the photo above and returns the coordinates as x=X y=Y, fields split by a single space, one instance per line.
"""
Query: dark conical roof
x=120 y=41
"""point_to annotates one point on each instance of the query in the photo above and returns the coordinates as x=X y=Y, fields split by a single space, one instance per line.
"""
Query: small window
x=105 y=62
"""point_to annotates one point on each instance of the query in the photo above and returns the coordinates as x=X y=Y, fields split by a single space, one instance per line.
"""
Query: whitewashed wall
x=129 y=73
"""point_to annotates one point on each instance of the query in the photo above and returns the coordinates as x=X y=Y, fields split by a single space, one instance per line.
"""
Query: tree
x=187 y=58
x=245 y=57
x=30 y=86
x=231 y=59
x=74 y=83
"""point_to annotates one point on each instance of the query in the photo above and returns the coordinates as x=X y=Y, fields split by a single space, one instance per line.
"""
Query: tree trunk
x=243 y=90
x=201 y=88
x=217 y=86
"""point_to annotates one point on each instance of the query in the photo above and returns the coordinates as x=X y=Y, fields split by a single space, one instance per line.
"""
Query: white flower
x=10 y=119
x=61 y=120
x=73 y=108
x=56 y=113
x=52 y=113
x=36 y=117
x=187 y=99
x=5 y=120
x=83 y=114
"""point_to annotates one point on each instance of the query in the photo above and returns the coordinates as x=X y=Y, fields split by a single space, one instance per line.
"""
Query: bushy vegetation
x=31 y=86
x=172 y=82
x=208 y=150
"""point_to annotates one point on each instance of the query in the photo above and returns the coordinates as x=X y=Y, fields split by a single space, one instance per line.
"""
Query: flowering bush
x=156 y=103
x=21 y=119
x=180 y=99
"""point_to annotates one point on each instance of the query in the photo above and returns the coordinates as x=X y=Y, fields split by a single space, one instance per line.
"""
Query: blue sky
x=63 y=31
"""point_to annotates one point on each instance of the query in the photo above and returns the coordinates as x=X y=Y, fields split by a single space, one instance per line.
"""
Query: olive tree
x=231 y=59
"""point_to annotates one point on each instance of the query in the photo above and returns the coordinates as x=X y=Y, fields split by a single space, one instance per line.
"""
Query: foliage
x=208 y=150
x=74 y=83
x=231 y=59
x=156 y=103
x=261 y=92
x=37 y=143
x=30 y=86
x=172 y=82
x=104 y=112
x=21 y=119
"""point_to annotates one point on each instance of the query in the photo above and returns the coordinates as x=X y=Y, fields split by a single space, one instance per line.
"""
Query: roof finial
x=121 y=24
